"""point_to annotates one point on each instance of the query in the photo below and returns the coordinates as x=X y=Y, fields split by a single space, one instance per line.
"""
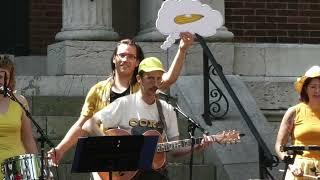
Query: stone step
x=68 y=85
x=182 y=171
x=271 y=93
x=176 y=171
x=56 y=105
x=93 y=57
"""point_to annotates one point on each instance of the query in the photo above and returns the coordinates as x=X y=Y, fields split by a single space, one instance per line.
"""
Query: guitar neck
x=225 y=137
x=172 y=145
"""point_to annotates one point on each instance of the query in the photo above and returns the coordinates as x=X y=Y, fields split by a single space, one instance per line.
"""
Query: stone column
x=87 y=20
x=148 y=16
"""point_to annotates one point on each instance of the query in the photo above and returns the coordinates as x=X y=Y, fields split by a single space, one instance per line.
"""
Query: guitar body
x=159 y=159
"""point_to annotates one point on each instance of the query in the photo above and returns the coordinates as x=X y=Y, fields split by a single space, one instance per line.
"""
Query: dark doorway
x=125 y=17
x=14 y=27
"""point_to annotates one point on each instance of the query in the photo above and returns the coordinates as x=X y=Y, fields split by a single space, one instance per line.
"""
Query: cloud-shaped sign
x=177 y=16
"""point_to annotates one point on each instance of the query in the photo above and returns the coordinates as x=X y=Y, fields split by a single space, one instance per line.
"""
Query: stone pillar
x=87 y=20
x=148 y=16
x=87 y=39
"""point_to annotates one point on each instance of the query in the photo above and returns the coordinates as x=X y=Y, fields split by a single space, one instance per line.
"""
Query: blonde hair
x=7 y=63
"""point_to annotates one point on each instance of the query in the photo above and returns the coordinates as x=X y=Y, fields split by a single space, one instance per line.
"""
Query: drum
x=25 y=167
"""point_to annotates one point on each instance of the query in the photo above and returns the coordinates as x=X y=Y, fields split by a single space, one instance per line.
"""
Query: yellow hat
x=151 y=64
x=313 y=72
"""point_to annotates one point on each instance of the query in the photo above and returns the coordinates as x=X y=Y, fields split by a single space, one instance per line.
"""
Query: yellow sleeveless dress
x=306 y=132
x=307 y=129
x=10 y=133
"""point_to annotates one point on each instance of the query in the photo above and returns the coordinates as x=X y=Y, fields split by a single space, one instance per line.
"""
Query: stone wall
x=264 y=21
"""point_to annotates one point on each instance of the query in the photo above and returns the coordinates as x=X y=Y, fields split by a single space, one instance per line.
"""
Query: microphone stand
x=191 y=129
x=43 y=137
x=190 y=120
x=173 y=101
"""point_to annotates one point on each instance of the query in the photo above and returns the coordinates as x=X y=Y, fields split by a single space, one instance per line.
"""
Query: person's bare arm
x=76 y=131
x=26 y=128
x=68 y=141
x=173 y=73
x=91 y=127
x=285 y=131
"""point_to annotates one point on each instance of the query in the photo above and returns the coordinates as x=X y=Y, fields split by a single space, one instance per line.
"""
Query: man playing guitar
x=143 y=113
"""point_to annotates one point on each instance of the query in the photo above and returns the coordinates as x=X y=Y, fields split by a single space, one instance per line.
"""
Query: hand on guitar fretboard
x=228 y=137
x=225 y=137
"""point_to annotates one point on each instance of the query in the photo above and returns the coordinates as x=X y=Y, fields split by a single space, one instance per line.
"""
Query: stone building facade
x=62 y=48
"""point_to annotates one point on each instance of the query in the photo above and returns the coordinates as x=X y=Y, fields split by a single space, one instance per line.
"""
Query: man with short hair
x=142 y=111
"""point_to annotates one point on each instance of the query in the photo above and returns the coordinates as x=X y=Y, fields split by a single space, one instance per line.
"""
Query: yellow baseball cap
x=151 y=64
x=313 y=72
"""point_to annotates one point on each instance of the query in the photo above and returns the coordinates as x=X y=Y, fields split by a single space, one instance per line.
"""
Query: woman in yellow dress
x=301 y=127
x=15 y=127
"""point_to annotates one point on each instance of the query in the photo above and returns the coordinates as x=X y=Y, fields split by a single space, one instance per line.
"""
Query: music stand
x=114 y=153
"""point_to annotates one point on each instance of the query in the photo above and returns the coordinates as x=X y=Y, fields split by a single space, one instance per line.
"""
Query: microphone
x=164 y=96
x=5 y=91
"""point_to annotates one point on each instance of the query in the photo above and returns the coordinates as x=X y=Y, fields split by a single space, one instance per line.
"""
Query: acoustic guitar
x=160 y=158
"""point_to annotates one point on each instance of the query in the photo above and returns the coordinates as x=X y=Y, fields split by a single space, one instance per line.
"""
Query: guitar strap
x=161 y=116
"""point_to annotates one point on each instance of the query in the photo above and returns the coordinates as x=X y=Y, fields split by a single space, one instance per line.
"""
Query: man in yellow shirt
x=125 y=61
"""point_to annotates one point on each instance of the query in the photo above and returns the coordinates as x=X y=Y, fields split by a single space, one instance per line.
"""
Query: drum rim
x=27 y=159
x=21 y=156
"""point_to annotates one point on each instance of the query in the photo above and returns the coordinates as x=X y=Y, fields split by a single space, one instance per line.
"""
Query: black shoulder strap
x=161 y=116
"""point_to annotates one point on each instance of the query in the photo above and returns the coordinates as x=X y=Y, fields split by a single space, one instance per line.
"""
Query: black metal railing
x=216 y=104
x=266 y=159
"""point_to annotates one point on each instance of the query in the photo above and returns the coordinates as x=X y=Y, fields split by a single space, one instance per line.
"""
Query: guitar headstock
x=228 y=137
